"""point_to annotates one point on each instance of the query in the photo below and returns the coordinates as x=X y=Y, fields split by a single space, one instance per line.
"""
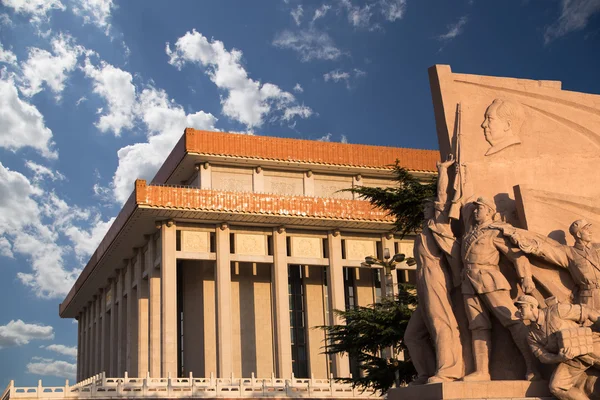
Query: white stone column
x=81 y=360
x=283 y=339
x=121 y=322
x=223 y=289
x=168 y=276
x=104 y=325
x=112 y=362
x=154 y=316
x=335 y=285
x=205 y=176
x=131 y=334
x=258 y=180
x=90 y=349
x=97 y=333
x=387 y=241
x=79 y=346
x=309 y=183
x=356 y=181
x=143 y=324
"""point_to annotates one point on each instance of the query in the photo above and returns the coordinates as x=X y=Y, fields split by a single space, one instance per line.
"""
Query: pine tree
x=369 y=332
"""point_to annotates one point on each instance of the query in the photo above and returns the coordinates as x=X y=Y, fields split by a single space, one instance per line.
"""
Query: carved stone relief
x=250 y=244
x=195 y=241
x=502 y=124
x=306 y=247
x=359 y=249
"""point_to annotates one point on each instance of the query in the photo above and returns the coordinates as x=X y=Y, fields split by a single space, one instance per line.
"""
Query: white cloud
x=296 y=13
x=165 y=121
x=19 y=333
x=5 y=20
x=116 y=87
x=325 y=138
x=81 y=100
x=41 y=172
x=52 y=69
x=6 y=248
x=62 y=349
x=37 y=9
x=7 y=57
x=85 y=241
x=344 y=139
x=338 y=75
x=393 y=9
x=46 y=367
x=454 y=29
x=359 y=17
x=22 y=124
x=321 y=12
x=298 y=88
x=96 y=12
x=574 y=16
x=309 y=44
x=42 y=233
x=247 y=101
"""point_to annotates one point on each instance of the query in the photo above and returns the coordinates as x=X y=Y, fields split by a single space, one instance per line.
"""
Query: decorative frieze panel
x=406 y=248
x=284 y=185
x=232 y=179
x=250 y=244
x=195 y=241
x=330 y=186
x=359 y=249
x=306 y=247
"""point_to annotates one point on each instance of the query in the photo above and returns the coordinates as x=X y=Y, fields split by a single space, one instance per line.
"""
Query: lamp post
x=389 y=264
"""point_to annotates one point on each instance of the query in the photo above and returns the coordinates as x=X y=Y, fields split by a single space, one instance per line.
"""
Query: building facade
x=229 y=258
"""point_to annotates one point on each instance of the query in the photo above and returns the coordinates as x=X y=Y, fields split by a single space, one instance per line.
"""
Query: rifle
x=456 y=205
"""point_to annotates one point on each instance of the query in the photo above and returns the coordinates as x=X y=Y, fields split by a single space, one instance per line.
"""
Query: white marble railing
x=99 y=386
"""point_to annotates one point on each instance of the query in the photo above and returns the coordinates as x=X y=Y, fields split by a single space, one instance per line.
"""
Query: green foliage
x=370 y=332
x=404 y=201
x=367 y=337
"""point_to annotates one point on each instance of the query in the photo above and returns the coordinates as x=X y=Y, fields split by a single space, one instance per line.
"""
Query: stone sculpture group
x=479 y=267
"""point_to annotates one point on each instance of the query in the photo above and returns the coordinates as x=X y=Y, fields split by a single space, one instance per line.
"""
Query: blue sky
x=94 y=93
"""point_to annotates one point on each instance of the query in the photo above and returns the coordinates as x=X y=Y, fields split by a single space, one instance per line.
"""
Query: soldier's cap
x=489 y=204
x=578 y=226
x=527 y=299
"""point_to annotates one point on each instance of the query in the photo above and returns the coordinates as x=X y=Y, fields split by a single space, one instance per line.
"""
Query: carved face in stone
x=585 y=234
x=525 y=312
x=428 y=210
x=482 y=213
x=502 y=124
x=494 y=127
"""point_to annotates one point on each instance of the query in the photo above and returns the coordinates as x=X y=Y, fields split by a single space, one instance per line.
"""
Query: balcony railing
x=99 y=386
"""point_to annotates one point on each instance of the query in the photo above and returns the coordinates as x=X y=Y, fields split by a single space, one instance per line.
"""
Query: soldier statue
x=437 y=254
x=556 y=336
x=582 y=260
x=486 y=289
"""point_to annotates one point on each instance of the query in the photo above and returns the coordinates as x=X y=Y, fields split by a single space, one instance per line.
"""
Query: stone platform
x=473 y=390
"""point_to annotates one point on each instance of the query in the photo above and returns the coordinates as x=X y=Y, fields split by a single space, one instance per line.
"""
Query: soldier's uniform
x=544 y=343
x=484 y=282
x=583 y=262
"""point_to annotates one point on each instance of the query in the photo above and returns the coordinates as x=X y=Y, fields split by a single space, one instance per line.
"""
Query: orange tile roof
x=309 y=151
x=256 y=203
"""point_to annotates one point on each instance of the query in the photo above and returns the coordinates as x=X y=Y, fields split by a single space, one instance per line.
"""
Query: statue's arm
x=441 y=209
x=519 y=260
x=532 y=243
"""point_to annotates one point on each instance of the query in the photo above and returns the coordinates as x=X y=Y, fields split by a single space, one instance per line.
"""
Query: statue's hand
x=567 y=354
x=527 y=285
x=449 y=161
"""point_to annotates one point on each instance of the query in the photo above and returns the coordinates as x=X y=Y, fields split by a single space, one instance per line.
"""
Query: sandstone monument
x=525 y=190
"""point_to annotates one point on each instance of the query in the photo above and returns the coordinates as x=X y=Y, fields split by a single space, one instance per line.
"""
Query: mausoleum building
x=226 y=261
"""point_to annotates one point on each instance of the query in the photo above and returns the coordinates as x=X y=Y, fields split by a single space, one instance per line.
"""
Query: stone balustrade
x=100 y=386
